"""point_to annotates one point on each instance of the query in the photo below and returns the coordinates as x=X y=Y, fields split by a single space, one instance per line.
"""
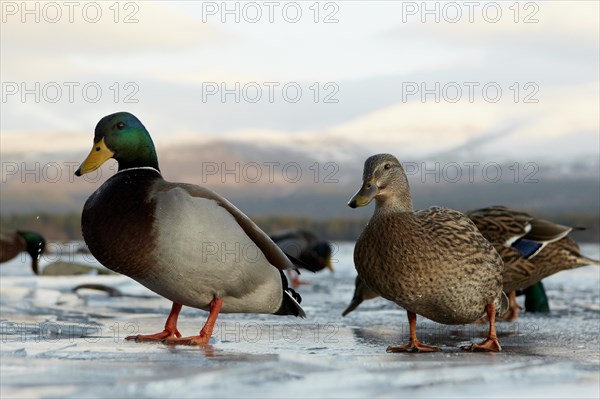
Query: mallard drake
x=433 y=262
x=182 y=241
x=532 y=249
x=15 y=242
x=304 y=245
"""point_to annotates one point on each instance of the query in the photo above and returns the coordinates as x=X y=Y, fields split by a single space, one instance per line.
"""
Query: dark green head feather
x=128 y=139
x=35 y=247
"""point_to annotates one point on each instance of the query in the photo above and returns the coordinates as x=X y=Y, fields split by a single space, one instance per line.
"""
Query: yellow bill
x=99 y=154
x=329 y=265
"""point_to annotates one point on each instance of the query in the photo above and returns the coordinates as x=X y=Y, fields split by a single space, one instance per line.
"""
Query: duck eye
x=120 y=126
x=387 y=166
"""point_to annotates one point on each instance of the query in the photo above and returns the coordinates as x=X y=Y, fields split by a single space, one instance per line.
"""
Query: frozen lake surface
x=56 y=343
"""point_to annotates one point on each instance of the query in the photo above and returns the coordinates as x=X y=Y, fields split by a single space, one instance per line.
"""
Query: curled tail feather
x=290 y=303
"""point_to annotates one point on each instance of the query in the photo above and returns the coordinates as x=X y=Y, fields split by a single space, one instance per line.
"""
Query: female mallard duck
x=304 y=245
x=13 y=243
x=433 y=262
x=182 y=241
x=532 y=249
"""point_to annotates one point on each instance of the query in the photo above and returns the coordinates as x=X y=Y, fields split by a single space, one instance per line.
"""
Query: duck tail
x=353 y=305
x=584 y=260
x=501 y=304
x=290 y=303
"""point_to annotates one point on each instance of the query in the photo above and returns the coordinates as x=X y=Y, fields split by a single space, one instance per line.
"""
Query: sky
x=508 y=79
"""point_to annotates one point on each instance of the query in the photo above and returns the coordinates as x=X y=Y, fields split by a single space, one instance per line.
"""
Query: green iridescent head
x=35 y=247
x=123 y=137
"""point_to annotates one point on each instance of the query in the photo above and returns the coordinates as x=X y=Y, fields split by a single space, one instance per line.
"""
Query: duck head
x=385 y=181
x=123 y=137
x=320 y=255
x=35 y=245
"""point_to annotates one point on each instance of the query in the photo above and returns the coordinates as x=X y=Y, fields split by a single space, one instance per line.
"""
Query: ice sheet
x=56 y=343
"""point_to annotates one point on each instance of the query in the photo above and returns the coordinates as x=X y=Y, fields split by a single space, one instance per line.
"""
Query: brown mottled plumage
x=556 y=252
x=560 y=255
x=433 y=262
x=444 y=269
x=503 y=227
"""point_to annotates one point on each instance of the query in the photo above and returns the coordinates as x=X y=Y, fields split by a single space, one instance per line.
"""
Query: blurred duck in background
x=313 y=253
x=12 y=243
x=532 y=249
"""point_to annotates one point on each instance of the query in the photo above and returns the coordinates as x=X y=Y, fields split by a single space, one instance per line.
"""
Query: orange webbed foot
x=169 y=331
x=165 y=334
x=510 y=316
x=412 y=347
x=205 y=333
x=296 y=282
x=489 y=345
x=201 y=339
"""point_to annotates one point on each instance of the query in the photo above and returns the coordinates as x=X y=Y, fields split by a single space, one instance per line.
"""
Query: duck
x=12 y=243
x=185 y=242
x=532 y=249
x=558 y=256
x=313 y=253
x=433 y=262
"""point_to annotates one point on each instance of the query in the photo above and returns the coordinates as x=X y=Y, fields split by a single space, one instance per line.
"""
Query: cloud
x=35 y=143
x=558 y=22
x=156 y=27
x=429 y=127
x=36 y=50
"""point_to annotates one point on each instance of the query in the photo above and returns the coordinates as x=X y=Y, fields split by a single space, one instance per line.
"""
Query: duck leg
x=513 y=308
x=295 y=281
x=491 y=344
x=413 y=343
x=205 y=333
x=169 y=331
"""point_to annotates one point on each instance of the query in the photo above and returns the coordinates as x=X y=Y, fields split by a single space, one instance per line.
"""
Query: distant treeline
x=65 y=227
